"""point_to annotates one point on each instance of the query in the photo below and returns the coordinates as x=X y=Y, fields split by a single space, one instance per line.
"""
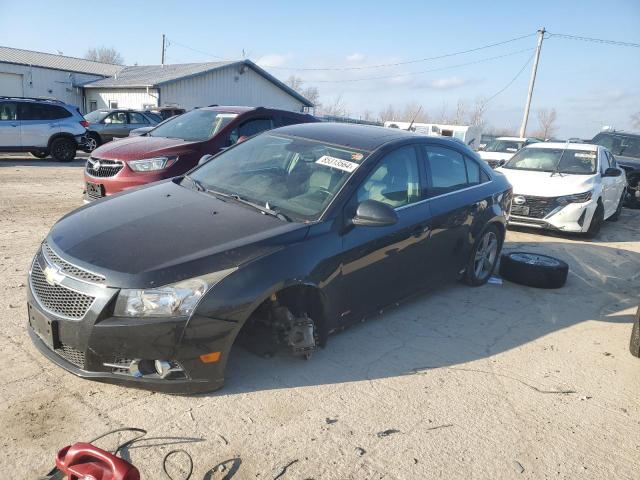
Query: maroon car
x=175 y=146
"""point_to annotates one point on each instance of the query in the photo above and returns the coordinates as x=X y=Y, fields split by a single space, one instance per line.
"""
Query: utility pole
x=527 y=107
x=163 y=49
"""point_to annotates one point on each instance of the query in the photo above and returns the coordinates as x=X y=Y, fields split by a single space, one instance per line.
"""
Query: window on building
x=93 y=105
x=113 y=104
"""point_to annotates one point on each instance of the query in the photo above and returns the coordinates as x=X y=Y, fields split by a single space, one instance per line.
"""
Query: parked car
x=107 y=124
x=295 y=232
x=42 y=127
x=501 y=149
x=166 y=112
x=485 y=138
x=175 y=147
x=136 y=132
x=571 y=187
x=626 y=148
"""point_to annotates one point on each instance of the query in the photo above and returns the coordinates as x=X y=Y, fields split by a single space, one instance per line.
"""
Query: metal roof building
x=93 y=85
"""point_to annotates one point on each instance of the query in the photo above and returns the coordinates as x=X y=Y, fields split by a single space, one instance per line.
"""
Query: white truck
x=469 y=135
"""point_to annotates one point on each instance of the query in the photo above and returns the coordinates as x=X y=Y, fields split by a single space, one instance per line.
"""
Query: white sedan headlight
x=152 y=164
x=577 y=198
x=174 y=300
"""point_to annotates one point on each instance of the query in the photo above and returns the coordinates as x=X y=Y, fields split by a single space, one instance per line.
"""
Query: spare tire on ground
x=634 y=346
x=533 y=269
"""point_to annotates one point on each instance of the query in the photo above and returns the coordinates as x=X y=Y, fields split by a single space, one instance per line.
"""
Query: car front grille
x=539 y=207
x=100 y=168
x=56 y=298
x=71 y=355
x=70 y=269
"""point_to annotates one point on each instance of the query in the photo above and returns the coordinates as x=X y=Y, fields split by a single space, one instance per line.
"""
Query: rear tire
x=616 y=216
x=93 y=142
x=533 y=270
x=484 y=257
x=596 y=222
x=39 y=153
x=63 y=149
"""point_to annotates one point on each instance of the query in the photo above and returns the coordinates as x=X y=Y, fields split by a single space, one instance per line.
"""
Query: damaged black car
x=293 y=233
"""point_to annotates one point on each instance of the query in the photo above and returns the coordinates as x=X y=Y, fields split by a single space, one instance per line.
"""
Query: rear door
x=9 y=126
x=608 y=184
x=136 y=120
x=39 y=122
x=456 y=205
x=115 y=125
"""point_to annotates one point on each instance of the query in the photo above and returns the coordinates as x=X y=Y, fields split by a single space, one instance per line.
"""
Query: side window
x=395 y=180
x=446 y=170
x=250 y=127
x=116 y=118
x=135 y=117
x=8 y=111
x=31 y=111
x=473 y=172
x=604 y=161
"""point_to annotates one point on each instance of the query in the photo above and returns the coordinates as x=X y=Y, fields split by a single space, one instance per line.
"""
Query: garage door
x=10 y=85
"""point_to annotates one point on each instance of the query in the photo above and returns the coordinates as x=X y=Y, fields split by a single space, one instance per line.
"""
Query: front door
x=9 y=126
x=115 y=126
x=381 y=264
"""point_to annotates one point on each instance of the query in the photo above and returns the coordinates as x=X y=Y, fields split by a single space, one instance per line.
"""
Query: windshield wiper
x=199 y=187
x=264 y=209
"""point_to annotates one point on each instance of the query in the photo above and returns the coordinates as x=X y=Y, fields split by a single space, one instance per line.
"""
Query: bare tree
x=388 y=114
x=443 y=114
x=294 y=82
x=635 y=120
x=367 y=115
x=336 y=108
x=104 y=55
x=476 y=117
x=413 y=111
x=461 y=111
x=310 y=93
x=546 y=121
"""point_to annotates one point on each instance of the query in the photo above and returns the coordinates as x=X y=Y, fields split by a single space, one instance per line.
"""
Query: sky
x=587 y=83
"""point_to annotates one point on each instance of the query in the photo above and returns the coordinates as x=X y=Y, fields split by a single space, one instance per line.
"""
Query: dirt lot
x=500 y=381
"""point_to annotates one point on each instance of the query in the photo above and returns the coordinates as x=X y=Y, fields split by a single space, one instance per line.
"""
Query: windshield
x=619 y=145
x=296 y=176
x=196 y=125
x=96 y=116
x=579 y=162
x=503 y=146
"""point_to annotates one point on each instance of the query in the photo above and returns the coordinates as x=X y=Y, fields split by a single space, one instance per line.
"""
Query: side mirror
x=372 y=213
x=204 y=159
x=612 y=172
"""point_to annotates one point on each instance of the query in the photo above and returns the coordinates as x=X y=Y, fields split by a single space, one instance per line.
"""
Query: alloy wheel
x=486 y=255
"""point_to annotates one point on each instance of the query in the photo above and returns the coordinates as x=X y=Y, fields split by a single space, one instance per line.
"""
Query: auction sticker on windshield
x=338 y=163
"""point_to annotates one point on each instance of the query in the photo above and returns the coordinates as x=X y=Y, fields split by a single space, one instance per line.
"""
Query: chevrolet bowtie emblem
x=53 y=275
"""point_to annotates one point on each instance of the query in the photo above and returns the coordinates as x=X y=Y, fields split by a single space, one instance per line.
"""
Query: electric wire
x=511 y=81
x=591 y=39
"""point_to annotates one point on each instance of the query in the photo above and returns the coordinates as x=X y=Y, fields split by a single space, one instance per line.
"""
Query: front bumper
x=83 y=345
x=574 y=218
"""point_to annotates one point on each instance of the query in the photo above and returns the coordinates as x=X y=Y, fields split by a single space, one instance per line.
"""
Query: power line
x=173 y=42
x=381 y=77
x=511 y=81
x=406 y=62
x=596 y=40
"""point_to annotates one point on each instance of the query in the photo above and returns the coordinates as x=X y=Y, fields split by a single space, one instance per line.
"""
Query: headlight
x=152 y=164
x=577 y=198
x=177 y=299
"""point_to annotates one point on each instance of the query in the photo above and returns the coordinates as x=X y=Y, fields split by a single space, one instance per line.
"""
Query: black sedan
x=295 y=232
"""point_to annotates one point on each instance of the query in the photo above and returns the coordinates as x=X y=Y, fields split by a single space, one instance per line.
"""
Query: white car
x=572 y=187
x=502 y=149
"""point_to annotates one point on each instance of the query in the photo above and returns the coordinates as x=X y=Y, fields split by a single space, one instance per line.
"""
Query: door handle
x=14 y=124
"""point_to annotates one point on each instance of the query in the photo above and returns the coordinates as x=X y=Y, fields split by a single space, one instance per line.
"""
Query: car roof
x=568 y=145
x=361 y=137
x=229 y=109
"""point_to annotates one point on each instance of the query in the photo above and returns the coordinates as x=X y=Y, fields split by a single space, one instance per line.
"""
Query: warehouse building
x=94 y=85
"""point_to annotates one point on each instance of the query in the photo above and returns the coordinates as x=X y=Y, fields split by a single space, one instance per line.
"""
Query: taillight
x=84 y=123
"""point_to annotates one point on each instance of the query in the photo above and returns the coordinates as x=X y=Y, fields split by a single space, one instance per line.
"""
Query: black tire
x=533 y=269
x=616 y=216
x=484 y=257
x=93 y=142
x=39 y=153
x=63 y=149
x=596 y=222
x=634 y=345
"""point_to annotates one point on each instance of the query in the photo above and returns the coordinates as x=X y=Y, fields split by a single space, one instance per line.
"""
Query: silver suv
x=41 y=127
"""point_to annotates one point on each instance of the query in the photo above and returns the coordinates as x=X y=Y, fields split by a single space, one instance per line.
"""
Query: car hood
x=132 y=148
x=164 y=233
x=495 y=155
x=545 y=184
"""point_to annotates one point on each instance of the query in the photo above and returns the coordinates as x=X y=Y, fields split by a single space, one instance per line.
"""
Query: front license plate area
x=95 y=190
x=520 y=210
x=46 y=329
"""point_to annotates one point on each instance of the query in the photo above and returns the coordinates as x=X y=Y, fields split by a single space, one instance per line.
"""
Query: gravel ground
x=500 y=381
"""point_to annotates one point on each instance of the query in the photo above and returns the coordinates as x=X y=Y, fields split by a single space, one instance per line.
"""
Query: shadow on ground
x=28 y=161
x=457 y=324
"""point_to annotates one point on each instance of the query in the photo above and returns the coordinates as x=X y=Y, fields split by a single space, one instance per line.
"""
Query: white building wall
x=227 y=86
x=49 y=83
x=136 y=98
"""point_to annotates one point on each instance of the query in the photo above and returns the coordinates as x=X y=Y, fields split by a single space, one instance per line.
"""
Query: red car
x=176 y=146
